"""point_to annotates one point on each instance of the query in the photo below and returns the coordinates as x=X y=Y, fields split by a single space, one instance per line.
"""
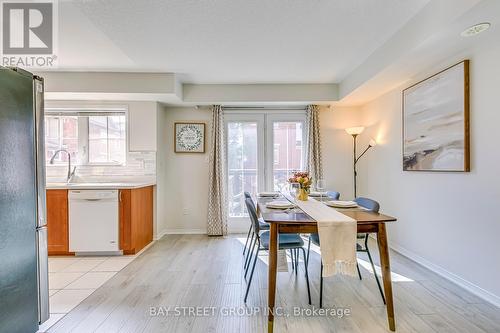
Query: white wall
x=447 y=221
x=182 y=178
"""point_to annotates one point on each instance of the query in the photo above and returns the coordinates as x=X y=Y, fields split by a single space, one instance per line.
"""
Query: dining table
x=297 y=221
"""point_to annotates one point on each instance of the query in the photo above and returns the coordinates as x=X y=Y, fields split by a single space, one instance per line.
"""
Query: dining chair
x=262 y=227
x=247 y=196
x=334 y=195
x=374 y=207
x=251 y=235
x=285 y=242
x=370 y=205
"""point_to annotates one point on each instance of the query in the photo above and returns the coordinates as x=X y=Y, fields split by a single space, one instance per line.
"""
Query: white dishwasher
x=93 y=220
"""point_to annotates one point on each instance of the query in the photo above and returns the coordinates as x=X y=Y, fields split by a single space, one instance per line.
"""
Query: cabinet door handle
x=120 y=196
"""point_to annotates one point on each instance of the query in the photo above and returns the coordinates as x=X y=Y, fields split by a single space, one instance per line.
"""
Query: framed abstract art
x=189 y=137
x=436 y=122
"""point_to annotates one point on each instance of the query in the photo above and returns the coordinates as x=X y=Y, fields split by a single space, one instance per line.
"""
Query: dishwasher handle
x=93 y=195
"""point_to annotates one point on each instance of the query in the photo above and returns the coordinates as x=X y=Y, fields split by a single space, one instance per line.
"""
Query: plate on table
x=280 y=204
x=341 y=204
x=317 y=194
x=268 y=194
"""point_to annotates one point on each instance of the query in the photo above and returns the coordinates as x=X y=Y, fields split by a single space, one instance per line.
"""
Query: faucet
x=71 y=173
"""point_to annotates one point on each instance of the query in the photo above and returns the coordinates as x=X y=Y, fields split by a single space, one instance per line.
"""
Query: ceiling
x=229 y=41
x=345 y=52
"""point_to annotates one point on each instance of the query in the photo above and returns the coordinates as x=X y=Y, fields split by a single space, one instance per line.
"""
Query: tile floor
x=72 y=279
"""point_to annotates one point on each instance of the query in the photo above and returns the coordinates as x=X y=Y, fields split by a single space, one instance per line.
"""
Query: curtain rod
x=264 y=108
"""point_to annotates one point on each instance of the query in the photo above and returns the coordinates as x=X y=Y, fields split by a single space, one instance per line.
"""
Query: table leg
x=273 y=260
x=385 y=266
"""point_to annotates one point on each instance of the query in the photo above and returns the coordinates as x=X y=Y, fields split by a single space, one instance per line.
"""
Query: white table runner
x=337 y=235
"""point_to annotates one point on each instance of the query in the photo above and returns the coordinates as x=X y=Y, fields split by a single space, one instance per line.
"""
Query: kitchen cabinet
x=142 y=126
x=57 y=222
x=136 y=219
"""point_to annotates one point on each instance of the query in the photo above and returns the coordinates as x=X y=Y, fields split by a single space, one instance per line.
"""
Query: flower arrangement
x=304 y=181
x=301 y=178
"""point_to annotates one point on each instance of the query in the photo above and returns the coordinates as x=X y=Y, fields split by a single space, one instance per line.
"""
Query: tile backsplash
x=139 y=166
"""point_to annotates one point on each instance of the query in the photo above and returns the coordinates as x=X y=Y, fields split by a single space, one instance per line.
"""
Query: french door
x=263 y=149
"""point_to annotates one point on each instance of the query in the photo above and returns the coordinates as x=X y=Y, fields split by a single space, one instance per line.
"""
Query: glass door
x=245 y=164
x=263 y=150
x=286 y=148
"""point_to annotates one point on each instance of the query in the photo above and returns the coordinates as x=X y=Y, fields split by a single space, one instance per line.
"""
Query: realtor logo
x=28 y=33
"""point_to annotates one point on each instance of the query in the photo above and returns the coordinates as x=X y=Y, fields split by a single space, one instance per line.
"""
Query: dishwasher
x=93 y=221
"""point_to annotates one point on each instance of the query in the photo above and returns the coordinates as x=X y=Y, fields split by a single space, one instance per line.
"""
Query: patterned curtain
x=217 y=203
x=314 y=163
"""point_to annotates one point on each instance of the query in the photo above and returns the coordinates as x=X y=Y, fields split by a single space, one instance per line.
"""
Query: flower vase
x=302 y=195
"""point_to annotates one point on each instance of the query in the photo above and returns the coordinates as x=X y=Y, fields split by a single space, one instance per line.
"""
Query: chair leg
x=249 y=252
x=308 y=249
x=297 y=256
x=247 y=266
x=321 y=287
x=248 y=238
x=373 y=267
x=359 y=272
x=307 y=275
x=251 y=273
x=249 y=247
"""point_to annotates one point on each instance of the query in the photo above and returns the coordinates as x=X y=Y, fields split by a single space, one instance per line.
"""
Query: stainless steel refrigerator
x=24 y=298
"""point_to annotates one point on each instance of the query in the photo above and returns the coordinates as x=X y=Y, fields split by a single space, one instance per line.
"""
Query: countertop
x=99 y=186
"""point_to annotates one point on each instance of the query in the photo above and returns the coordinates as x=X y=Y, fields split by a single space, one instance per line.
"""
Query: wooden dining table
x=297 y=221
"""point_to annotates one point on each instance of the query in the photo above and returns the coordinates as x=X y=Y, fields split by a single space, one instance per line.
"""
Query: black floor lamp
x=355 y=131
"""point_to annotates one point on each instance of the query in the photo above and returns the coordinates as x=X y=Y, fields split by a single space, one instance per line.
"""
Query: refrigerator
x=24 y=298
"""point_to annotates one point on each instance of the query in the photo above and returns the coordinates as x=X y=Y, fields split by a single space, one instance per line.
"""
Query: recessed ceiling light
x=476 y=29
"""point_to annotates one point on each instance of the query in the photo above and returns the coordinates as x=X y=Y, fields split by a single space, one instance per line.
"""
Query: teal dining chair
x=370 y=205
x=285 y=242
x=262 y=226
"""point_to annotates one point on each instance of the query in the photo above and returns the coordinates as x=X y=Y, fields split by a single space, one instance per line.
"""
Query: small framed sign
x=189 y=137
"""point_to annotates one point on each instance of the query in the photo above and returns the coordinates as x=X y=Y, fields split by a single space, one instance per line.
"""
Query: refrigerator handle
x=40 y=150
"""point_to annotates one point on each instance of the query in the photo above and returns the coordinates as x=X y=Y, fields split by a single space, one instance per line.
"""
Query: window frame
x=83 y=130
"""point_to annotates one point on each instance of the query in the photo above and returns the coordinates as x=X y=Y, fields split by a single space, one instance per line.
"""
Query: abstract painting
x=189 y=137
x=436 y=122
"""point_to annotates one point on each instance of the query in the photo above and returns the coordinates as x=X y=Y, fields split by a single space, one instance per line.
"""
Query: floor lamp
x=355 y=131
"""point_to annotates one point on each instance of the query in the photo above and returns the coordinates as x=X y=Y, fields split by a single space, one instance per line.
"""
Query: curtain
x=314 y=163
x=217 y=203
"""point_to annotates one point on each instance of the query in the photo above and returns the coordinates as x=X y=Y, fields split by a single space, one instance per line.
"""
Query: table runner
x=337 y=235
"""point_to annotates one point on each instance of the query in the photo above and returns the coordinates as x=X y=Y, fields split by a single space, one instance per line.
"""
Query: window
x=106 y=139
x=242 y=164
x=61 y=133
x=289 y=135
x=90 y=137
x=276 y=154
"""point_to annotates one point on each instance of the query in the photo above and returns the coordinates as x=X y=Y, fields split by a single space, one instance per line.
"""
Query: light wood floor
x=195 y=270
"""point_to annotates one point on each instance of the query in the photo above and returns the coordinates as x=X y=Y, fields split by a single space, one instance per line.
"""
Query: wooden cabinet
x=57 y=222
x=136 y=219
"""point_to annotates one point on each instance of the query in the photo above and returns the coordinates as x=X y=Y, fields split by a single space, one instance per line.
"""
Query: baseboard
x=238 y=231
x=476 y=290
x=159 y=235
x=146 y=247
x=182 y=232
